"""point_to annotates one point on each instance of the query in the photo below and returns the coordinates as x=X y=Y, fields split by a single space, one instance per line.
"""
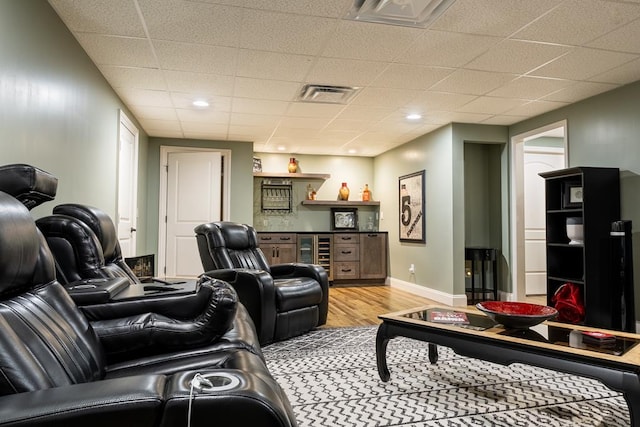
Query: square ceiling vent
x=408 y=13
x=325 y=94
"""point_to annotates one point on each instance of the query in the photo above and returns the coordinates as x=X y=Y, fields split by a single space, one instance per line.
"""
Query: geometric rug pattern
x=331 y=379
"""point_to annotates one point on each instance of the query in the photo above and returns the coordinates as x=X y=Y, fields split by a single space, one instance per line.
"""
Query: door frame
x=165 y=150
x=125 y=122
x=517 y=205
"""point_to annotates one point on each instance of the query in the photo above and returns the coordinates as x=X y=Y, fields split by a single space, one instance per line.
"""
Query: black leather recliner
x=284 y=300
x=55 y=367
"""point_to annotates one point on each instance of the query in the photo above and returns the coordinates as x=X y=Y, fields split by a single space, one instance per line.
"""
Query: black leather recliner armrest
x=136 y=400
x=96 y=291
x=292 y=270
x=257 y=293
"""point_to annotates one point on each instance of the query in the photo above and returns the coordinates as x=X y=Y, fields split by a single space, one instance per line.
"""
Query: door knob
x=133 y=230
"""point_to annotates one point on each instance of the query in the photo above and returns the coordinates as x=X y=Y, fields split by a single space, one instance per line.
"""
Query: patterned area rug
x=331 y=379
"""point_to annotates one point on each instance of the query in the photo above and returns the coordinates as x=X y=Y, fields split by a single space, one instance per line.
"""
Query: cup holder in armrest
x=96 y=291
x=215 y=381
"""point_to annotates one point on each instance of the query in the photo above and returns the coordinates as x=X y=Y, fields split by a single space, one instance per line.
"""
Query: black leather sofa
x=123 y=363
x=284 y=300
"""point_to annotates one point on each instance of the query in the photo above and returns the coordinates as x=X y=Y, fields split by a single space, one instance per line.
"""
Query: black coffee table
x=551 y=345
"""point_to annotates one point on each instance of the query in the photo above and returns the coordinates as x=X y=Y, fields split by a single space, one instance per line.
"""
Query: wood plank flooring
x=361 y=305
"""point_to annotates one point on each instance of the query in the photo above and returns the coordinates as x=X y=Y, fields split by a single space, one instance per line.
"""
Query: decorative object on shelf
x=344 y=218
x=568 y=301
x=366 y=193
x=575 y=231
x=257 y=164
x=293 y=165
x=412 y=224
x=311 y=193
x=343 y=194
x=571 y=195
x=517 y=315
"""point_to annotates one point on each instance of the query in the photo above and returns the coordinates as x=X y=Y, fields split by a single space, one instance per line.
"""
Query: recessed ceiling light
x=352 y=151
x=281 y=148
x=414 y=116
x=200 y=103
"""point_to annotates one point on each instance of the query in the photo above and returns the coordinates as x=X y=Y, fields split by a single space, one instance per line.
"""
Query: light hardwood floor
x=361 y=305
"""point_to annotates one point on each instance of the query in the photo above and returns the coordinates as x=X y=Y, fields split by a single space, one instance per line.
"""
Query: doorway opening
x=536 y=151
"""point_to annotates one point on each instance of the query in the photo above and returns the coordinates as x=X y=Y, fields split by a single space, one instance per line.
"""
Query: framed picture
x=344 y=218
x=257 y=164
x=411 y=203
x=571 y=195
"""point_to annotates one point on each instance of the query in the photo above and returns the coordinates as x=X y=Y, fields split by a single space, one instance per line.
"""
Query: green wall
x=56 y=110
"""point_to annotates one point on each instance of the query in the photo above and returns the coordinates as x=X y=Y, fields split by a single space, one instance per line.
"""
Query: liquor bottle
x=366 y=193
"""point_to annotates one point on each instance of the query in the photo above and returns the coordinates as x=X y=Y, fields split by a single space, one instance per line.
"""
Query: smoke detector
x=326 y=94
x=408 y=13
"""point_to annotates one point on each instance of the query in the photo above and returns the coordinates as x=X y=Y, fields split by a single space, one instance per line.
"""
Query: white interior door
x=536 y=161
x=194 y=197
x=126 y=221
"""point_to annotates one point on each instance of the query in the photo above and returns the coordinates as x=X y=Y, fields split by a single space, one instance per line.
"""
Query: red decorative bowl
x=517 y=315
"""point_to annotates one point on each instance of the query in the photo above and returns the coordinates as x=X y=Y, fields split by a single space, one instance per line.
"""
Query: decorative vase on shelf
x=343 y=194
x=366 y=193
x=293 y=166
x=575 y=231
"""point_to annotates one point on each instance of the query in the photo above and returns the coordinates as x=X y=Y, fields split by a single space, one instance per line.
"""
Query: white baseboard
x=425 y=292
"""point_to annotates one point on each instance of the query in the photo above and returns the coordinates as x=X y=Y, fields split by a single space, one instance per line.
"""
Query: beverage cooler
x=316 y=249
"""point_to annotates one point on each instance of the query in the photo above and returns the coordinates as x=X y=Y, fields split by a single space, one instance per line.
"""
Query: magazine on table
x=451 y=317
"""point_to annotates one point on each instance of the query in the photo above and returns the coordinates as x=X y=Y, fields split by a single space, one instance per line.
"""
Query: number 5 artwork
x=411 y=198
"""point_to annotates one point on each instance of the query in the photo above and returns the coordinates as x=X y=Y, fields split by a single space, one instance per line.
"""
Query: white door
x=126 y=221
x=194 y=195
x=536 y=161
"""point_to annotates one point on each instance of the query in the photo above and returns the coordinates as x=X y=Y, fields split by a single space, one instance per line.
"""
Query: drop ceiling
x=481 y=61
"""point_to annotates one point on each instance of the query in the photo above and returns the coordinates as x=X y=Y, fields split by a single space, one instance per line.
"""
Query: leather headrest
x=30 y=185
x=97 y=220
x=229 y=234
x=19 y=245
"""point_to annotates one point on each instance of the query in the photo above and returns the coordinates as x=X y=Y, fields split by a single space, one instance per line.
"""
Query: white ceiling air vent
x=409 y=13
x=326 y=94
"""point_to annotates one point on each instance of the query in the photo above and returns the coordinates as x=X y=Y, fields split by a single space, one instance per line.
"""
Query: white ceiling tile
x=265 y=89
x=185 y=101
x=582 y=63
x=201 y=23
x=327 y=8
x=444 y=49
x=199 y=58
x=492 y=105
x=491 y=17
x=157 y=113
x=260 y=120
x=364 y=112
x=472 y=82
x=135 y=78
x=624 y=39
x=199 y=83
x=311 y=109
x=344 y=125
x=115 y=17
x=530 y=87
x=209 y=128
x=205 y=115
x=273 y=66
x=110 y=50
x=438 y=101
x=344 y=72
x=624 y=74
x=514 y=56
x=366 y=41
x=259 y=106
x=305 y=123
x=405 y=76
x=576 y=22
x=207 y=135
x=283 y=32
x=160 y=125
x=502 y=120
x=244 y=132
x=579 y=91
x=387 y=97
x=535 y=108
x=156 y=98
x=458 y=117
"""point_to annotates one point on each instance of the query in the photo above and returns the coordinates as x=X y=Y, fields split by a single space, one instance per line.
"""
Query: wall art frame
x=411 y=192
x=343 y=219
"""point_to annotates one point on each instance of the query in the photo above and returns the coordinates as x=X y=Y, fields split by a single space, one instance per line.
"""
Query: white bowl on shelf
x=575 y=231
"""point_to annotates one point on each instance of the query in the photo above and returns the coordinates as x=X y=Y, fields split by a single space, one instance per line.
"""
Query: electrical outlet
x=412 y=269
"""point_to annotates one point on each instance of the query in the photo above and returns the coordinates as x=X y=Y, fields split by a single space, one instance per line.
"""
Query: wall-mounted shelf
x=324 y=176
x=338 y=203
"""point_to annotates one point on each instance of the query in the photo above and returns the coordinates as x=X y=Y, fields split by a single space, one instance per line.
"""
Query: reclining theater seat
x=55 y=368
x=30 y=185
x=283 y=300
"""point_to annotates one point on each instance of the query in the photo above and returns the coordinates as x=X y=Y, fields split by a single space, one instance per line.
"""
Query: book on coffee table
x=452 y=317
